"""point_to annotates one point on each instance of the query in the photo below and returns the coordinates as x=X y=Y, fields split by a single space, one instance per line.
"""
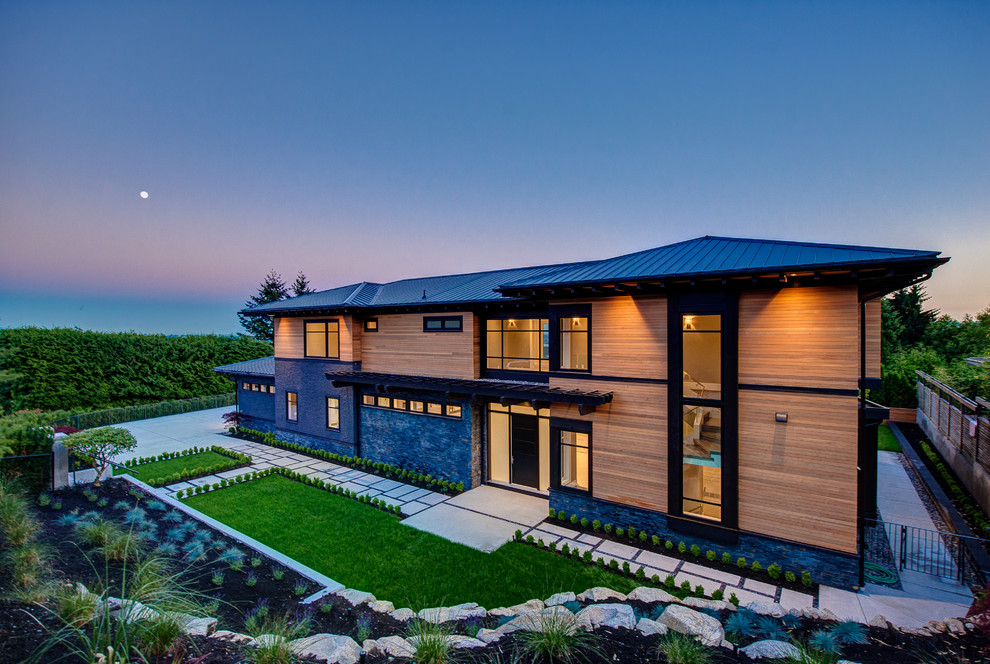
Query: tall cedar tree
x=907 y=304
x=272 y=289
x=301 y=286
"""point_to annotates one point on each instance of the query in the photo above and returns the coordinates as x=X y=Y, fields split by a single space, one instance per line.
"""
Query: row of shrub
x=774 y=570
x=237 y=460
x=388 y=470
x=960 y=495
x=669 y=583
x=292 y=475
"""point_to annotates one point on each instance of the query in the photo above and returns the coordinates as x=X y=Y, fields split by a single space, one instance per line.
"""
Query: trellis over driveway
x=960 y=430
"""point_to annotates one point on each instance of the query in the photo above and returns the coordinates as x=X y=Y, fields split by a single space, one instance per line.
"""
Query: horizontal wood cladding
x=629 y=441
x=289 y=337
x=873 y=309
x=401 y=346
x=797 y=480
x=629 y=337
x=807 y=337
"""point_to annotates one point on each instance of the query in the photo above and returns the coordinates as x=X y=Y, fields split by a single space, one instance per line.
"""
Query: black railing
x=104 y=418
x=948 y=556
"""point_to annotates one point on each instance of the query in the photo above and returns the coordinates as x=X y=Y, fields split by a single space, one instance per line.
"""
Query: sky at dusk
x=373 y=141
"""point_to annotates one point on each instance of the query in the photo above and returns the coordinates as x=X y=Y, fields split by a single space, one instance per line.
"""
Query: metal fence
x=961 y=420
x=948 y=556
x=102 y=418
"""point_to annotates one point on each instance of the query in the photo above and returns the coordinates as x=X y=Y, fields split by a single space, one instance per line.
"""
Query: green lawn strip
x=886 y=442
x=369 y=550
x=189 y=463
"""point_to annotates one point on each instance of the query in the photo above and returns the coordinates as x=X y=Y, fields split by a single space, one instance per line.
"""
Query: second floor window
x=574 y=343
x=518 y=344
x=322 y=338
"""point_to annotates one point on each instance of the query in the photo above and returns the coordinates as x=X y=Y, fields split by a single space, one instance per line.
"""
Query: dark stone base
x=832 y=568
x=312 y=442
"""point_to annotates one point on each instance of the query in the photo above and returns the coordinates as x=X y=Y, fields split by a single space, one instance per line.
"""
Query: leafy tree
x=272 y=289
x=301 y=286
x=101 y=446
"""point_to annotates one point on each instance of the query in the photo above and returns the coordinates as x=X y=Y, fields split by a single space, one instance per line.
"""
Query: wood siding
x=873 y=317
x=289 y=337
x=806 y=337
x=629 y=337
x=629 y=441
x=797 y=480
x=401 y=346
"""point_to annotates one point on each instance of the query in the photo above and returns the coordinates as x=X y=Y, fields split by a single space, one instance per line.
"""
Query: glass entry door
x=519 y=446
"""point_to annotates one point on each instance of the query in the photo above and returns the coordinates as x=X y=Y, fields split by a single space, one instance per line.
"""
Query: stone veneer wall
x=439 y=446
x=826 y=567
x=306 y=440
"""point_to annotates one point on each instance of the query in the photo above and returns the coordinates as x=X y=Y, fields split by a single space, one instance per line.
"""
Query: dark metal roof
x=494 y=389
x=704 y=257
x=262 y=367
x=714 y=256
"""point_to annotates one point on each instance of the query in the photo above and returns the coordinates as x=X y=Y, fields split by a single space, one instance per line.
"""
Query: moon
x=144 y=194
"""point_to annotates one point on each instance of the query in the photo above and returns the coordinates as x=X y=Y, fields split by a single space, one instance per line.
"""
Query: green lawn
x=154 y=469
x=370 y=550
x=886 y=441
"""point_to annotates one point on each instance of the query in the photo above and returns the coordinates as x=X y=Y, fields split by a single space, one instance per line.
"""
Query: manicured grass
x=370 y=550
x=886 y=441
x=153 y=469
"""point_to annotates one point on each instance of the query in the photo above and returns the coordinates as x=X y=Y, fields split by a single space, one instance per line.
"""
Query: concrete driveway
x=172 y=433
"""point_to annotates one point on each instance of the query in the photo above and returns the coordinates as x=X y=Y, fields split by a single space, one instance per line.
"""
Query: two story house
x=712 y=389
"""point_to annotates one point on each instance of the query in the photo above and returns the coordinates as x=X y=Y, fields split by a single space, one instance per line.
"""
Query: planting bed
x=22 y=627
x=186 y=465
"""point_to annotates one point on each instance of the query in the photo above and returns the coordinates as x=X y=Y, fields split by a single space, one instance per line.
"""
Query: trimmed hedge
x=237 y=460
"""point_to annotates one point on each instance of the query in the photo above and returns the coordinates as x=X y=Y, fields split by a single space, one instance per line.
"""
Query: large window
x=574 y=343
x=322 y=338
x=701 y=416
x=518 y=344
x=292 y=406
x=519 y=445
x=333 y=413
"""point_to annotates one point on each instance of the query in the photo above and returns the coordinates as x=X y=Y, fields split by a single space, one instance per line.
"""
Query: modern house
x=709 y=388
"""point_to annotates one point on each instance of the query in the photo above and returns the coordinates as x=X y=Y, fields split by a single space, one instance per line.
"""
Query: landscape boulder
x=396 y=646
x=606 y=615
x=525 y=607
x=600 y=594
x=714 y=604
x=560 y=598
x=771 y=649
x=403 y=615
x=442 y=614
x=693 y=623
x=767 y=609
x=651 y=595
x=354 y=597
x=382 y=606
x=332 y=648
x=648 y=627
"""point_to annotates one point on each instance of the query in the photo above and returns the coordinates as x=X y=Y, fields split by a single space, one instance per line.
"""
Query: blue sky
x=376 y=141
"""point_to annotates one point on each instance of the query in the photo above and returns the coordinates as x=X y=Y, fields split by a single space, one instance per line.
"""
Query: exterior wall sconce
x=781 y=417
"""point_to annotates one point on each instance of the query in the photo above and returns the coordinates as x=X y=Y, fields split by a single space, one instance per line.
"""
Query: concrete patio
x=487 y=517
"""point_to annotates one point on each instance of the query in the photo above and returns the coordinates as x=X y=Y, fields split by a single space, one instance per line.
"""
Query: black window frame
x=326 y=333
x=557 y=312
x=368 y=321
x=443 y=320
x=725 y=304
x=558 y=425
x=294 y=402
x=337 y=408
x=515 y=374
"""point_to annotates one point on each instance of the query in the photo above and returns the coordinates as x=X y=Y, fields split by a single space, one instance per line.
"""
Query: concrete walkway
x=486 y=517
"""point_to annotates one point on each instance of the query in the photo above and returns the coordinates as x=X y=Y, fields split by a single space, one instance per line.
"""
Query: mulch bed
x=22 y=627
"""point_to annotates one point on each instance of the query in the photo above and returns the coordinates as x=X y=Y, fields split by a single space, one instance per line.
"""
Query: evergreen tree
x=301 y=285
x=272 y=289
x=907 y=303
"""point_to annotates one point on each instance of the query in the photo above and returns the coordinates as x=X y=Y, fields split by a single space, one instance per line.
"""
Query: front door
x=525 y=450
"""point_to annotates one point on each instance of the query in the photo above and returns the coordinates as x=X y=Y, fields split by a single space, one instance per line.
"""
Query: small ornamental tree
x=100 y=446
x=234 y=418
